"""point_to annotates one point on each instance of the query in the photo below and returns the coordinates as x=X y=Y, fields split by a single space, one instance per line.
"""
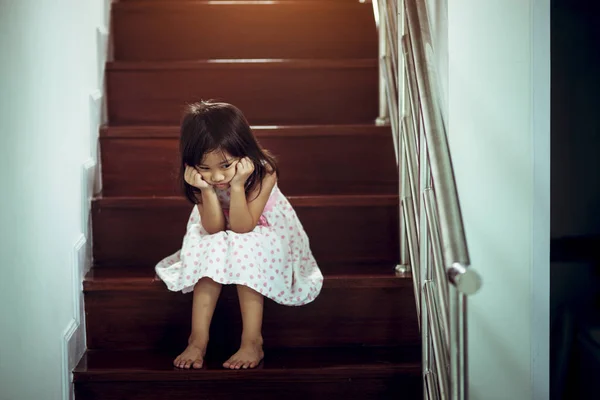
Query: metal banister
x=451 y=226
x=433 y=244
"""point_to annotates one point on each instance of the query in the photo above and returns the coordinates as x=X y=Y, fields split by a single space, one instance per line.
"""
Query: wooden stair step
x=304 y=154
x=127 y=309
x=269 y=92
x=191 y=30
x=249 y=1
x=306 y=373
x=121 y=277
x=343 y=228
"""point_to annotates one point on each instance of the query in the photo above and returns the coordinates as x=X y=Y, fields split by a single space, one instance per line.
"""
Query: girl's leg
x=206 y=294
x=251 y=352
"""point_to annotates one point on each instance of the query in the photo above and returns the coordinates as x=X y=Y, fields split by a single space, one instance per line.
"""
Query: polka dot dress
x=274 y=259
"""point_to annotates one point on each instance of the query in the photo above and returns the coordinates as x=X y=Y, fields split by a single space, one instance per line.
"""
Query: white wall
x=50 y=102
x=499 y=133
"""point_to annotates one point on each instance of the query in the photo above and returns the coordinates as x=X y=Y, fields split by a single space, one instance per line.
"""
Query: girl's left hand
x=243 y=170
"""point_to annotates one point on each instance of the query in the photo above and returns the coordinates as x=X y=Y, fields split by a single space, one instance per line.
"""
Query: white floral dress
x=274 y=259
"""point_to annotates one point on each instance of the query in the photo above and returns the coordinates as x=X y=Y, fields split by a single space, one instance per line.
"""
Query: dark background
x=575 y=199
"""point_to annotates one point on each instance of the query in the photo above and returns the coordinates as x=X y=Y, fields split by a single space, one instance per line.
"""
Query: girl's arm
x=209 y=208
x=244 y=215
x=210 y=211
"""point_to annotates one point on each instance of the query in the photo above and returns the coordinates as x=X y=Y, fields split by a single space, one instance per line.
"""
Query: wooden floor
x=305 y=74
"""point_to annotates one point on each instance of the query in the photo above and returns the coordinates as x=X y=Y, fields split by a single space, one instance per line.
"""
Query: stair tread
x=239 y=1
x=228 y=3
x=177 y=30
x=142 y=278
x=221 y=64
x=156 y=365
x=142 y=230
x=301 y=150
x=136 y=312
x=172 y=131
x=275 y=91
x=340 y=200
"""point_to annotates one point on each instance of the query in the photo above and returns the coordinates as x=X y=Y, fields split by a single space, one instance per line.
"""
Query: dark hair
x=209 y=126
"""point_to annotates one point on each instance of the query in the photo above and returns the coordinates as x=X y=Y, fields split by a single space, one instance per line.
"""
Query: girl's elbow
x=211 y=230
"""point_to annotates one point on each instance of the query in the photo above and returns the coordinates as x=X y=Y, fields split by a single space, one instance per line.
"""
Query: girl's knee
x=206 y=282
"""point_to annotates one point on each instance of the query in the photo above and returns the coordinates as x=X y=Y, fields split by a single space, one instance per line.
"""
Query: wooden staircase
x=305 y=74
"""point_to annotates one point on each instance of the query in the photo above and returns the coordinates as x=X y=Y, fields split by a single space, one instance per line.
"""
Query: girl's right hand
x=193 y=178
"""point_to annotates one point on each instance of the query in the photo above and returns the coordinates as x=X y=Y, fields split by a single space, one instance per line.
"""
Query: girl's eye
x=226 y=166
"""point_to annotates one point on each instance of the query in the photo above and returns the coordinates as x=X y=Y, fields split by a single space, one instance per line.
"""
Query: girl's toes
x=197 y=364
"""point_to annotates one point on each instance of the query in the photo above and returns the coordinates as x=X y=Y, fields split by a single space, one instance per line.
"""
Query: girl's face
x=218 y=168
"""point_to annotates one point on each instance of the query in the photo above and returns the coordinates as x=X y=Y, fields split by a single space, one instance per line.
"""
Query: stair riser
x=145 y=234
x=161 y=319
x=267 y=94
x=306 y=165
x=179 y=31
x=347 y=386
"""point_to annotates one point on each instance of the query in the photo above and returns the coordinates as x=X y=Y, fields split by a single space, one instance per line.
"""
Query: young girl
x=242 y=231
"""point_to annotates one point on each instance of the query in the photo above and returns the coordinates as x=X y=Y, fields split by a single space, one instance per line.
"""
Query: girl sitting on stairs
x=242 y=231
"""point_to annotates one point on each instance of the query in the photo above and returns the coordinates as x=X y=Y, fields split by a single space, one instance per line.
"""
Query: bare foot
x=193 y=355
x=248 y=356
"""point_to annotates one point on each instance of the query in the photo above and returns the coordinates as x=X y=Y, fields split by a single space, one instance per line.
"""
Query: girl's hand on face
x=193 y=178
x=243 y=170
